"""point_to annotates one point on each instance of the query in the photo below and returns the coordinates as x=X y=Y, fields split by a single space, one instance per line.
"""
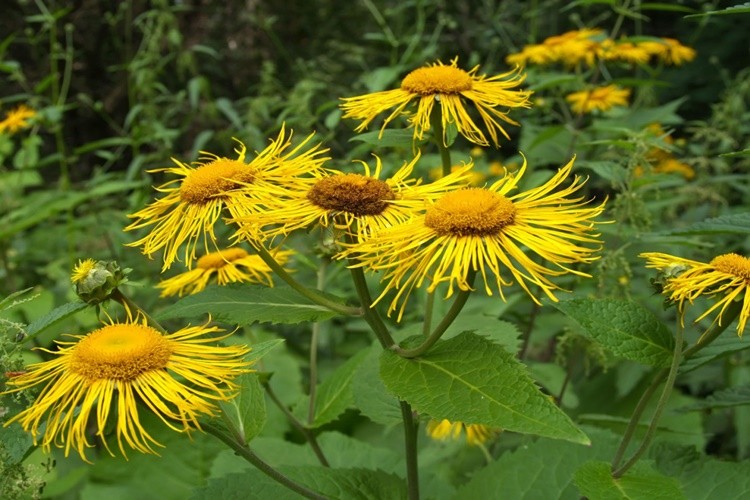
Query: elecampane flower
x=598 y=98
x=726 y=277
x=194 y=203
x=17 y=119
x=445 y=430
x=357 y=203
x=570 y=48
x=669 y=51
x=626 y=52
x=177 y=376
x=231 y=265
x=489 y=231
x=452 y=89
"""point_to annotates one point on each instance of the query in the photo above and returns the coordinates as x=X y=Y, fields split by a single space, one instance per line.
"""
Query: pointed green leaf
x=247 y=410
x=52 y=317
x=370 y=394
x=6 y=302
x=471 y=380
x=625 y=328
x=642 y=482
x=726 y=398
x=244 y=304
x=731 y=224
x=724 y=346
x=262 y=348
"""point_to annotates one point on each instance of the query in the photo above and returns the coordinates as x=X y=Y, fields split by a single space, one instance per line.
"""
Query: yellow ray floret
x=488 y=231
x=178 y=376
x=726 y=278
x=17 y=119
x=598 y=99
x=452 y=89
x=194 y=203
x=445 y=430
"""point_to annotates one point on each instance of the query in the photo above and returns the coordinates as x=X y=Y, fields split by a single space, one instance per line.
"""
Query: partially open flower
x=94 y=281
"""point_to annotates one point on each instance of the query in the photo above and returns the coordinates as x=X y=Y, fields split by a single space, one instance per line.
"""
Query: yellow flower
x=673 y=165
x=17 y=119
x=475 y=177
x=669 y=50
x=177 y=376
x=356 y=203
x=82 y=270
x=450 y=87
x=445 y=430
x=570 y=48
x=627 y=52
x=486 y=230
x=194 y=203
x=726 y=276
x=231 y=265
x=598 y=98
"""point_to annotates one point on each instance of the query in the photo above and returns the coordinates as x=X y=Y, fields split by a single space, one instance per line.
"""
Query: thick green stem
x=313 y=295
x=371 y=314
x=410 y=442
x=450 y=316
x=245 y=452
x=436 y=122
x=128 y=304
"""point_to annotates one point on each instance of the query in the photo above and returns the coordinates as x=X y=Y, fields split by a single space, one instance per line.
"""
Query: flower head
x=570 y=48
x=450 y=87
x=486 y=230
x=669 y=51
x=445 y=430
x=623 y=51
x=231 y=265
x=726 y=277
x=359 y=204
x=598 y=98
x=177 y=376
x=17 y=119
x=194 y=203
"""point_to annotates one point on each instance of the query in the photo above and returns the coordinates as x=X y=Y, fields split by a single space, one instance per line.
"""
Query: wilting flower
x=669 y=51
x=486 y=230
x=194 y=203
x=451 y=88
x=598 y=98
x=177 y=376
x=726 y=277
x=356 y=203
x=17 y=119
x=231 y=265
x=445 y=430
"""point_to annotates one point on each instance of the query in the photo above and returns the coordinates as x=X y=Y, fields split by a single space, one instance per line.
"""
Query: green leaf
x=731 y=224
x=7 y=303
x=733 y=154
x=495 y=330
x=54 y=316
x=334 y=395
x=743 y=8
x=244 y=304
x=625 y=328
x=725 y=345
x=370 y=394
x=641 y=117
x=538 y=470
x=15 y=444
x=641 y=482
x=262 y=348
x=609 y=170
x=247 y=410
x=665 y=7
x=471 y=380
x=725 y=398
x=393 y=138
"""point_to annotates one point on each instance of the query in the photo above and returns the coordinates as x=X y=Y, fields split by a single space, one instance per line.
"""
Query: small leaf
x=469 y=379
x=247 y=410
x=262 y=348
x=51 y=318
x=722 y=347
x=730 y=224
x=625 y=328
x=244 y=304
x=594 y=480
x=725 y=398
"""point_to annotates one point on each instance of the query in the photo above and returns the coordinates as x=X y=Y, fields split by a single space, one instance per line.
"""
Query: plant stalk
x=410 y=442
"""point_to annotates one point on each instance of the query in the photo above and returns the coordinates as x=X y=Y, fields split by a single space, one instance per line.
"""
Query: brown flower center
x=437 y=80
x=213 y=179
x=470 y=212
x=352 y=193
x=734 y=264
x=216 y=260
x=121 y=351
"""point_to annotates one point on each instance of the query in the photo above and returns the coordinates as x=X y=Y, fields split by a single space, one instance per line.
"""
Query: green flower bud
x=94 y=281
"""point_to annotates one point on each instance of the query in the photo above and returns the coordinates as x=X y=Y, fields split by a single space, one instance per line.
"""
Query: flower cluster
x=664 y=161
x=17 y=119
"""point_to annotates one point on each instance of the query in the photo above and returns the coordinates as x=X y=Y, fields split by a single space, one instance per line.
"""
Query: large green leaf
x=595 y=480
x=247 y=410
x=471 y=380
x=370 y=394
x=244 y=304
x=625 y=328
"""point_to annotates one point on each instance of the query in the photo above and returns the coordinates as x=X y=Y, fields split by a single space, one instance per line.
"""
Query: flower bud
x=95 y=280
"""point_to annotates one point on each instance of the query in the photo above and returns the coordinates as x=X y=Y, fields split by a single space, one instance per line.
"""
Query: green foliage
x=594 y=479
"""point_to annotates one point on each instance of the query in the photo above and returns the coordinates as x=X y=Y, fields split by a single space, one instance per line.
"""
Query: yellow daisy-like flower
x=445 y=430
x=356 y=203
x=177 y=376
x=726 y=276
x=626 y=52
x=17 y=119
x=675 y=166
x=82 y=270
x=232 y=265
x=485 y=230
x=598 y=98
x=450 y=87
x=669 y=51
x=570 y=48
x=194 y=203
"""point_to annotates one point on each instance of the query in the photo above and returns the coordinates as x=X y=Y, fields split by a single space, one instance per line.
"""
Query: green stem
x=436 y=122
x=450 y=316
x=306 y=432
x=660 y=406
x=529 y=328
x=313 y=295
x=314 y=349
x=371 y=314
x=410 y=442
x=128 y=304
x=245 y=452
x=428 y=310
